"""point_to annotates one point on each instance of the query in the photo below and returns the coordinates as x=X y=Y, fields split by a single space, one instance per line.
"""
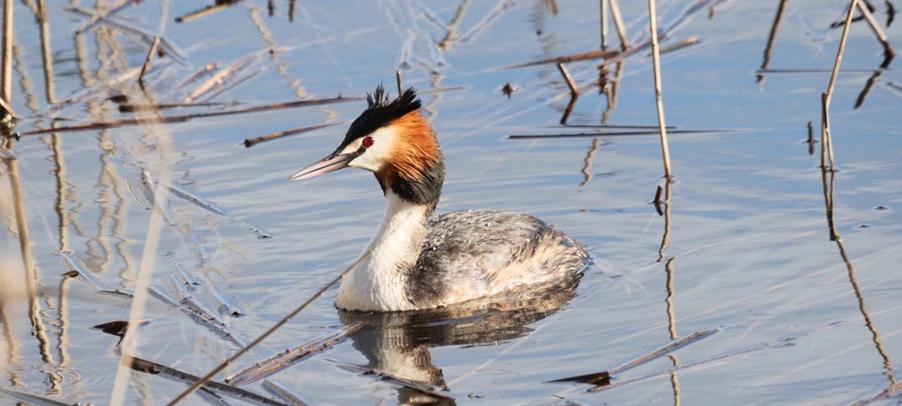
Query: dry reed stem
x=826 y=137
x=603 y=20
x=131 y=108
x=639 y=126
x=263 y=336
x=707 y=361
x=291 y=356
x=613 y=134
x=659 y=102
x=618 y=24
x=149 y=255
x=6 y=77
x=582 y=56
x=150 y=51
x=197 y=14
x=683 y=43
x=155 y=368
x=250 y=142
x=574 y=92
x=187 y=117
x=398 y=80
x=46 y=52
x=149 y=121
x=667 y=349
x=643 y=359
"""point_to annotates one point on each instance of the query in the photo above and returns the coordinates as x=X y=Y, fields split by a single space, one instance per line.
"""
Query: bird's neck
x=380 y=281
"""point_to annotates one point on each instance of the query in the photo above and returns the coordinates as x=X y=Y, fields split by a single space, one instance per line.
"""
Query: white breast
x=379 y=282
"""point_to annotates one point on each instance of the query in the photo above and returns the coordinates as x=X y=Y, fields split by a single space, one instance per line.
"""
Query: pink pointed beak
x=328 y=164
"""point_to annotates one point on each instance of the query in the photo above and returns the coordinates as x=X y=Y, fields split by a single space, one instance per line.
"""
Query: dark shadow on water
x=396 y=344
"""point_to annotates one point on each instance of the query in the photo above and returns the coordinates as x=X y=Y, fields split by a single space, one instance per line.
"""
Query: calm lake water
x=746 y=246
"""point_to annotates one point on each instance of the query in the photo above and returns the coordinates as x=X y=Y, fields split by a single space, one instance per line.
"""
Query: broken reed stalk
x=194 y=15
x=888 y=51
x=582 y=56
x=659 y=102
x=667 y=349
x=154 y=368
x=574 y=92
x=131 y=108
x=618 y=24
x=187 y=117
x=826 y=137
x=250 y=142
x=683 y=43
x=603 y=377
x=291 y=356
x=206 y=378
x=707 y=361
x=150 y=51
x=398 y=80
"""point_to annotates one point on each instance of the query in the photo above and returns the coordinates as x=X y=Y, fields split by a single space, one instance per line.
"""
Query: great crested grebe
x=416 y=262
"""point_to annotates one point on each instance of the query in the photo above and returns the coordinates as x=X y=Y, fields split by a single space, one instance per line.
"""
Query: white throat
x=379 y=282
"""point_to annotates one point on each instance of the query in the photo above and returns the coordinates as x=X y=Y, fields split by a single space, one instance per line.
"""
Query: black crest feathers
x=380 y=112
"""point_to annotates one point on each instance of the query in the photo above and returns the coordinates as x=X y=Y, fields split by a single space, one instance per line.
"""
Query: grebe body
x=416 y=261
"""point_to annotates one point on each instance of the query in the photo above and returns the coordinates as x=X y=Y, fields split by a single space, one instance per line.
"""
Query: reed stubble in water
x=206 y=378
x=659 y=99
x=827 y=96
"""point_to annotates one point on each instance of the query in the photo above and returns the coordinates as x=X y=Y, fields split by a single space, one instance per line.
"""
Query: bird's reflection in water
x=396 y=344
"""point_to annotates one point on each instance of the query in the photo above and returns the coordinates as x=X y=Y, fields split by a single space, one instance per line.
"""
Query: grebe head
x=393 y=140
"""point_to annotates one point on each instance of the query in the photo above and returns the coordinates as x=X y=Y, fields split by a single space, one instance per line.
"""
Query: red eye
x=367 y=142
